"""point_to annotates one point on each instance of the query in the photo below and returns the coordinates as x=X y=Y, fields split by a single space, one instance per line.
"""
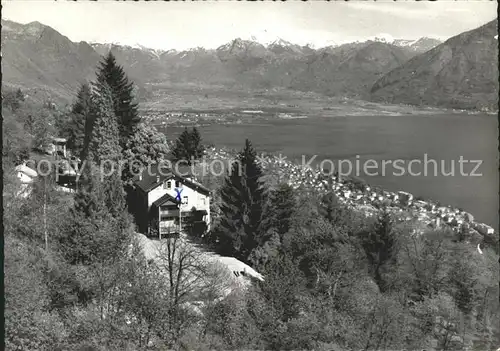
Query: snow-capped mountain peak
x=281 y=42
x=384 y=38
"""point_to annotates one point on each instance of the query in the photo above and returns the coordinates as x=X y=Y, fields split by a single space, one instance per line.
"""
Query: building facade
x=164 y=202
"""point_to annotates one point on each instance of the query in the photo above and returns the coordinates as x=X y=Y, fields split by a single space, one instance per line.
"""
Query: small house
x=163 y=198
x=25 y=174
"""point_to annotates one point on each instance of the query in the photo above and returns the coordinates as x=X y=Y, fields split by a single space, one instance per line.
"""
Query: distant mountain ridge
x=277 y=45
x=37 y=56
x=461 y=73
x=347 y=69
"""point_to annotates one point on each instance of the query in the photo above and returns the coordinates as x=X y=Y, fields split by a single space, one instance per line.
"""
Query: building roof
x=166 y=200
x=26 y=170
x=59 y=140
x=155 y=175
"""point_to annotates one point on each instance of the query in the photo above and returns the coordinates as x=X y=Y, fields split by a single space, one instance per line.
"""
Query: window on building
x=203 y=201
x=177 y=183
x=167 y=184
x=185 y=200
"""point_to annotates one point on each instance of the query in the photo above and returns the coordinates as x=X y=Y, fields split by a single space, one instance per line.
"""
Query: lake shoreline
x=421 y=215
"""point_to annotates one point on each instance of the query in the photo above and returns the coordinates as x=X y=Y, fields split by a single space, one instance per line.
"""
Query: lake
x=443 y=138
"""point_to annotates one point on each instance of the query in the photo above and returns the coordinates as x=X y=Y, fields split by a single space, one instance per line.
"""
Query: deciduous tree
x=145 y=147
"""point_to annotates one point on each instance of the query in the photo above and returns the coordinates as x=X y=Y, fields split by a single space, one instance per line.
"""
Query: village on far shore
x=421 y=215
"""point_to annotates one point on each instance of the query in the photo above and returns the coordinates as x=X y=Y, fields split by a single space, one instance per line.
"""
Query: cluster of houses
x=160 y=117
x=370 y=200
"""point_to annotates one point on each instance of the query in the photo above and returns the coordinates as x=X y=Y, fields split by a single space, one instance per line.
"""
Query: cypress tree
x=104 y=150
x=380 y=246
x=196 y=144
x=80 y=112
x=112 y=74
x=254 y=192
x=115 y=197
x=242 y=201
x=230 y=229
x=102 y=135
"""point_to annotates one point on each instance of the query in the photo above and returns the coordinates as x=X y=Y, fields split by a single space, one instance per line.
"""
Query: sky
x=182 y=25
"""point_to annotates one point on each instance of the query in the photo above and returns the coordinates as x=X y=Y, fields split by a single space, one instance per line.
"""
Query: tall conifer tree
x=380 y=246
x=102 y=136
x=90 y=199
x=196 y=144
x=182 y=148
x=112 y=74
x=80 y=112
x=242 y=201
x=188 y=146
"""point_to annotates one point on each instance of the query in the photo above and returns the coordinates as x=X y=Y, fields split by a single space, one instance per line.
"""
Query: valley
x=183 y=104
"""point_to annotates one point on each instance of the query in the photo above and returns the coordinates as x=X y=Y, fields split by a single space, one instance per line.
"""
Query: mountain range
x=461 y=73
x=35 y=56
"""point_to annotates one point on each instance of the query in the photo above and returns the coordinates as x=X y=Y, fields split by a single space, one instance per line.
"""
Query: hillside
x=460 y=73
x=37 y=56
x=348 y=70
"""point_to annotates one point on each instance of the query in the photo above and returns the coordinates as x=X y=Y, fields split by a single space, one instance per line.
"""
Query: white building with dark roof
x=25 y=174
x=163 y=198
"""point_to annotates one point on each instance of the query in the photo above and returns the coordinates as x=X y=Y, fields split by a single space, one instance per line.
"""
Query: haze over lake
x=441 y=137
